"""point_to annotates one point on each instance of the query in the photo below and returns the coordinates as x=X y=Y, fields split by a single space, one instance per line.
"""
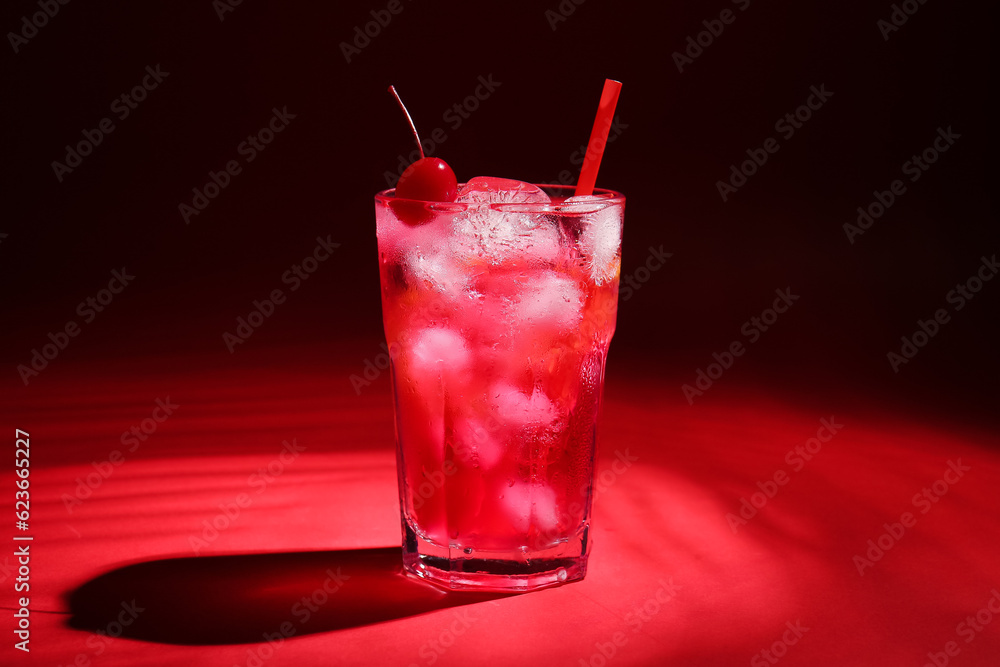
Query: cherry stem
x=392 y=89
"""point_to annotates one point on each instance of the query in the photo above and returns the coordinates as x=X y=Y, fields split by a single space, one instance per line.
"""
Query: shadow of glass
x=255 y=597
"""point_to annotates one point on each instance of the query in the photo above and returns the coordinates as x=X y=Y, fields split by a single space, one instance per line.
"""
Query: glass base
x=456 y=569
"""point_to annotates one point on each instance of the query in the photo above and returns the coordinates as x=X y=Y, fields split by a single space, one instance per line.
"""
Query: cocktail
x=499 y=305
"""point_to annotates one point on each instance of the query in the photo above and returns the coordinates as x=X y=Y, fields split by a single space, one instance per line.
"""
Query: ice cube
x=528 y=505
x=478 y=442
x=503 y=236
x=550 y=300
x=433 y=349
x=601 y=236
x=396 y=237
x=516 y=408
x=432 y=366
x=484 y=321
x=439 y=269
x=490 y=190
x=600 y=242
x=435 y=361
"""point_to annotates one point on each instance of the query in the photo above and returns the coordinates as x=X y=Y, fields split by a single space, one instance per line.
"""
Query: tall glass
x=498 y=318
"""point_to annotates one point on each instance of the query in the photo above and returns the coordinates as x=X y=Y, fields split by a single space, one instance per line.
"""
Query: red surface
x=669 y=581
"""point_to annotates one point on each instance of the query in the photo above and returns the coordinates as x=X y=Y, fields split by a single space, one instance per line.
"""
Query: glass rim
x=603 y=198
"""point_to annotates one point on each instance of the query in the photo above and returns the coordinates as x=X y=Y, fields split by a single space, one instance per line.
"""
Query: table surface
x=295 y=468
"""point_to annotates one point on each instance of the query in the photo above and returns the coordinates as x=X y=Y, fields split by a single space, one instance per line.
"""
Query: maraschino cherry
x=427 y=179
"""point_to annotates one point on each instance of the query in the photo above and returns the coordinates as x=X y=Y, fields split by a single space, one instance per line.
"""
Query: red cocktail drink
x=498 y=310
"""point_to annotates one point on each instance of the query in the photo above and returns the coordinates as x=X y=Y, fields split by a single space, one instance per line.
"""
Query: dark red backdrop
x=214 y=77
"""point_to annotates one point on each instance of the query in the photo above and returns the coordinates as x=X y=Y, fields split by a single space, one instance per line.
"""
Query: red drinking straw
x=598 y=138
